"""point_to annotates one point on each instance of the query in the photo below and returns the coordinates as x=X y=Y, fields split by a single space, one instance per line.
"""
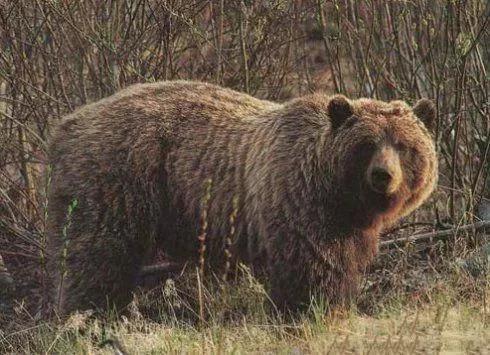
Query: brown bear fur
x=136 y=164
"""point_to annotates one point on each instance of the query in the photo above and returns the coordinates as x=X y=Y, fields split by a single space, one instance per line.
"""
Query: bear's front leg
x=300 y=270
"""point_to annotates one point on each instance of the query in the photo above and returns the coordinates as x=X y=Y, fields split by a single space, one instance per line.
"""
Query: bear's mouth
x=364 y=207
x=372 y=206
x=367 y=207
x=381 y=202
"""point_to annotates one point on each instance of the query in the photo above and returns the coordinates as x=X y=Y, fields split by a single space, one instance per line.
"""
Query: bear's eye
x=351 y=121
x=401 y=147
x=404 y=147
x=414 y=151
x=406 y=150
x=367 y=147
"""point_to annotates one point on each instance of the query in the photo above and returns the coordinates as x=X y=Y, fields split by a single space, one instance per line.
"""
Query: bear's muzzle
x=384 y=174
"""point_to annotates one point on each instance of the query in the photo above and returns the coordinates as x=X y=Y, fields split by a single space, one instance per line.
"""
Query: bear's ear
x=339 y=109
x=425 y=110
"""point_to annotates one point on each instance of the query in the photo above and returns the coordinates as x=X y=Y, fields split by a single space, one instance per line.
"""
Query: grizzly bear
x=312 y=183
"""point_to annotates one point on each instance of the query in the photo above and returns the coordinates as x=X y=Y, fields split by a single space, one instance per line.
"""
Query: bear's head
x=383 y=165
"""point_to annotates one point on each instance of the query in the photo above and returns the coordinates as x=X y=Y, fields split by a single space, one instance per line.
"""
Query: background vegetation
x=56 y=55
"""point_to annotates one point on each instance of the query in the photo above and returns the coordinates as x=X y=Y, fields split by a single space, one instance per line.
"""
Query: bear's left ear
x=425 y=110
x=339 y=109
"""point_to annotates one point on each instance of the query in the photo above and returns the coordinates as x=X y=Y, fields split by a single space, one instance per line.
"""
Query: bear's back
x=174 y=100
x=132 y=125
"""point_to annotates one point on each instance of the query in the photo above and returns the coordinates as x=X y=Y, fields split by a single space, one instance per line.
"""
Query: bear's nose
x=380 y=180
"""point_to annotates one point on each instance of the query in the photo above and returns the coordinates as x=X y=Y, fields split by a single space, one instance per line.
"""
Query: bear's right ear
x=339 y=109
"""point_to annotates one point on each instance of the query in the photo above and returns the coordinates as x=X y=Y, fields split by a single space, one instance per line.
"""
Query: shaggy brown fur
x=316 y=180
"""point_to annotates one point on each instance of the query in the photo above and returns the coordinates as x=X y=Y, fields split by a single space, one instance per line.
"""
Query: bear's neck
x=288 y=183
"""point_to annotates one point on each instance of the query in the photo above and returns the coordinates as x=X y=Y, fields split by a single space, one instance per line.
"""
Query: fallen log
x=161 y=268
x=436 y=234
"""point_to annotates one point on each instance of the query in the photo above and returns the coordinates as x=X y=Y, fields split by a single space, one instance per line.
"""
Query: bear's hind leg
x=95 y=260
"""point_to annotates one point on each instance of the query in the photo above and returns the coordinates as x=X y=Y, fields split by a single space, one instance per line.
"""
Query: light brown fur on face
x=315 y=179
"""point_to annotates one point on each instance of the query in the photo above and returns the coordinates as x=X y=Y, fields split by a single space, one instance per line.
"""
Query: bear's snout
x=384 y=174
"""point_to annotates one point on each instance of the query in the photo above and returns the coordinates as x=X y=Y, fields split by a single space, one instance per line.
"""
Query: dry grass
x=458 y=330
x=238 y=320
x=58 y=55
